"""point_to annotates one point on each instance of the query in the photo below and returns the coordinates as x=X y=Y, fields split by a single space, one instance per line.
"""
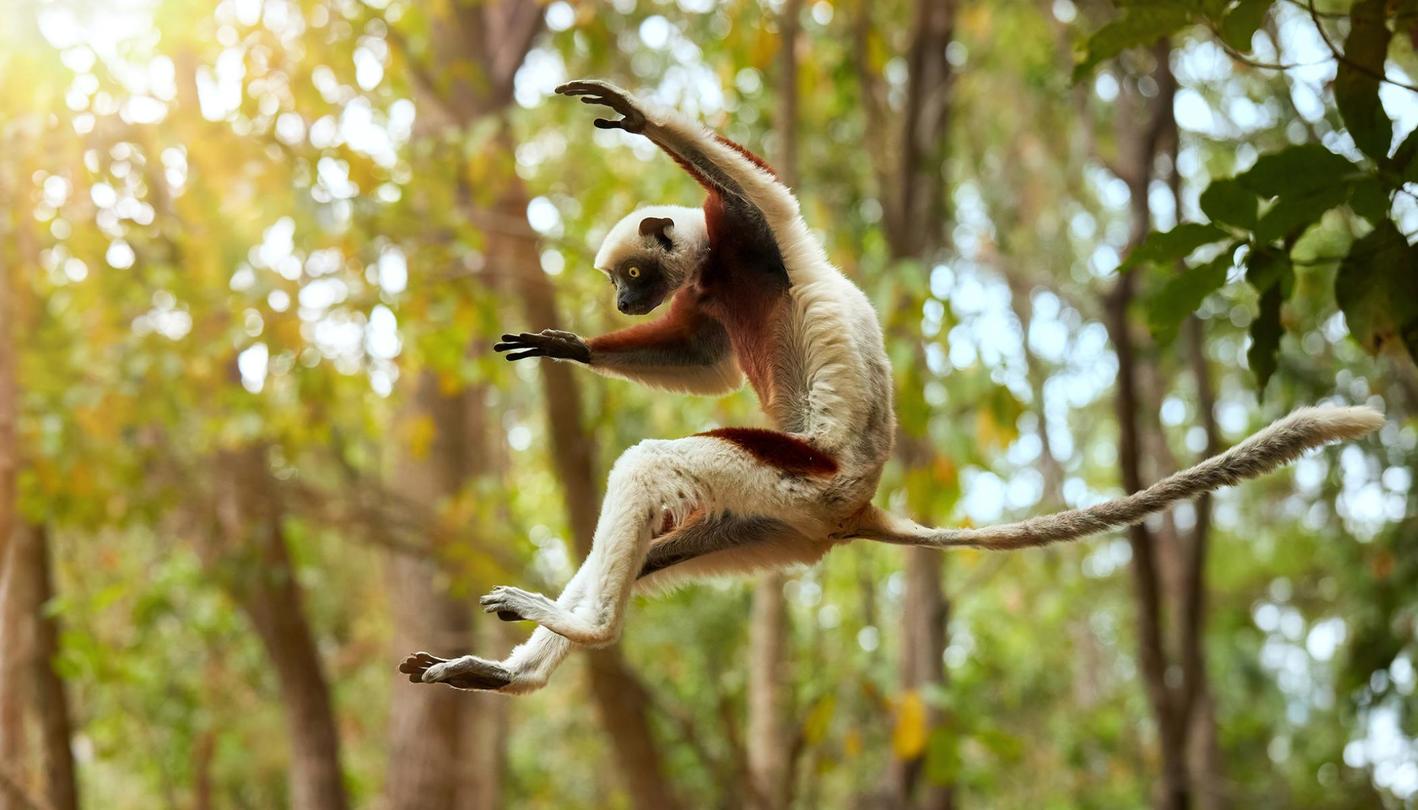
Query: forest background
x=254 y=446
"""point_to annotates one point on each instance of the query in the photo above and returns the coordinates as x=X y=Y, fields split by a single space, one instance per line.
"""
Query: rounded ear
x=658 y=227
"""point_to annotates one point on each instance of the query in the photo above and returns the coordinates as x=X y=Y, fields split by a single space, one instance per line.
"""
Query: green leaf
x=1297 y=169
x=1165 y=247
x=1229 y=202
x=1139 y=25
x=1377 y=290
x=1241 y=23
x=1183 y=293
x=1271 y=275
x=1371 y=199
x=1356 y=81
x=1405 y=159
x=1293 y=213
x=943 y=756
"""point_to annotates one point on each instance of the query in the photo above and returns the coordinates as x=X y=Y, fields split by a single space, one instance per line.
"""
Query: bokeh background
x=254 y=446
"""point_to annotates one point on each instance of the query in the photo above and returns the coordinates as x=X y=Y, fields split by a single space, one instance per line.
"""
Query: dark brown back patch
x=787 y=453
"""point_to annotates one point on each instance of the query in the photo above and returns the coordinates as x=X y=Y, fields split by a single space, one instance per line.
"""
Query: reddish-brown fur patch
x=757 y=161
x=743 y=286
x=678 y=324
x=787 y=453
x=744 y=296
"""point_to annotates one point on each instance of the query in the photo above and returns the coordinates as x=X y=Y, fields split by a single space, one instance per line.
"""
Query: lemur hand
x=594 y=91
x=552 y=343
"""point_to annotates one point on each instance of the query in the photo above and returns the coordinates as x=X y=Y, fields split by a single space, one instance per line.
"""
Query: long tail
x=1278 y=444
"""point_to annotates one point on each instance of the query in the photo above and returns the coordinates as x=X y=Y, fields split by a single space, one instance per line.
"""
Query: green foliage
x=1377 y=290
x=1166 y=247
x=1356 y=83
x=1183 y=292
x=1139 y=24
x=1287 y=192
x=1272 y=276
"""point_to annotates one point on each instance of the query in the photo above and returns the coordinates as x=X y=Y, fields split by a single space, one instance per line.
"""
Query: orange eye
x=633 y=272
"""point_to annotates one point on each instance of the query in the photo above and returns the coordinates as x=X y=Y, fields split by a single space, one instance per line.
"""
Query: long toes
x=417 y=664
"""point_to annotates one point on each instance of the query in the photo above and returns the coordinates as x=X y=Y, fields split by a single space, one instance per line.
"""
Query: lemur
x=752 y=294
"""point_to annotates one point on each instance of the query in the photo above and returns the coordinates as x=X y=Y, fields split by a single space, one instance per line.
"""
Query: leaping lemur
x=752 y=294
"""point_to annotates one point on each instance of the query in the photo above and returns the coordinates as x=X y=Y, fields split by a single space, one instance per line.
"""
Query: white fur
x=624 y=238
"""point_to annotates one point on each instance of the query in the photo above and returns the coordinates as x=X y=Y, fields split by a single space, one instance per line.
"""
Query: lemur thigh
x=649 y=480
x=725 y=543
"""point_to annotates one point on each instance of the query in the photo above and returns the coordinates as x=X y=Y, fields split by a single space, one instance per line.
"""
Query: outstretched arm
x=685 y=351
x=718 y=163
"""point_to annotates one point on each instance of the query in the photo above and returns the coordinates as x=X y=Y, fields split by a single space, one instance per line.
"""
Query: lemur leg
x=726 y=543
x=649 y=480
x=525 y=669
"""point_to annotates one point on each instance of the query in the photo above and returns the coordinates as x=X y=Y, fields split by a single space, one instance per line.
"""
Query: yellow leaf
x=852 y=743
x=908 y=739
x=449 y=383
x=946 y=472
x=819 y=718
x=419 y=432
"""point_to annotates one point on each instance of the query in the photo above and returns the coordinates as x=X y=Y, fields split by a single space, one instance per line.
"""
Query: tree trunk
x=495 y=38
x=769 y=695
x=9 y=395
x=264 y=585
x=438 y=738
x=914 y=206
x=16 y=653
x=1171 y=706
x=620 y=699
x=51 y=699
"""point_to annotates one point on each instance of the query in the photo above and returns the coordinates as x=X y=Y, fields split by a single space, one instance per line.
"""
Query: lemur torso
x=808 y=342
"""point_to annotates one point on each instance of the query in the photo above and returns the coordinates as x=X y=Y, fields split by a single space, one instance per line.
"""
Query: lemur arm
x=719 y=164
x=684 y=351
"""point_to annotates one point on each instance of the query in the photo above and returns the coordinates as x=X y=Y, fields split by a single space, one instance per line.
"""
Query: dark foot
x=515 y=605
x=468 y=672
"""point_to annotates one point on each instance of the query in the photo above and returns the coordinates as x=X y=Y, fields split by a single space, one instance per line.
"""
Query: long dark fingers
x=515 y=356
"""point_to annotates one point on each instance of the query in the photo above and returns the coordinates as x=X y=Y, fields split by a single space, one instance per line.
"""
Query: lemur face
x=641 y=284
x=651 y=253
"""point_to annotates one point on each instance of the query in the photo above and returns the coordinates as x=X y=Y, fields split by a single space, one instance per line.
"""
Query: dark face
x=640 y=285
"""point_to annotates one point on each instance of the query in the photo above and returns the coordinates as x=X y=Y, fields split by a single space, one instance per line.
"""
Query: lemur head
x=651 y=253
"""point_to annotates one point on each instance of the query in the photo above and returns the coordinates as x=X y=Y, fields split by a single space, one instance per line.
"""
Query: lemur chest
x=753 y=312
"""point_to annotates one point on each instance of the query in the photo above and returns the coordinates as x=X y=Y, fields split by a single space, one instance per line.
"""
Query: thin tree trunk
x=1207 y=767
x=914 y=204
x=29 y=644
x=620 y=699
x=266 y=589
x=51 y=698
x=16 y=653
x=495 y=37
x=439 y=739
x=1019 y=300
x=1141 y=146
x=768 y=694
x=9 y=394
x=769 y=680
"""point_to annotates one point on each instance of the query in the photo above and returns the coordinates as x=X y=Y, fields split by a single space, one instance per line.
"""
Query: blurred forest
x=255 y=447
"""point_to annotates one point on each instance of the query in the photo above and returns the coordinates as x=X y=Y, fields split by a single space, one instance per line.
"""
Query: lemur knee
x=649 y=469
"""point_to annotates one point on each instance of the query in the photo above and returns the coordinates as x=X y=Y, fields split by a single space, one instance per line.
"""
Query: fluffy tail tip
x=1332 y=423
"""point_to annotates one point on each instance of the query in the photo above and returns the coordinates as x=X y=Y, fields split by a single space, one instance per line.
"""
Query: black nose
x=622 y=305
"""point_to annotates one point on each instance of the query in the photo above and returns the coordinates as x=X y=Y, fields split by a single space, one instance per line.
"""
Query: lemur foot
x=514 y=604
x=468 y=672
